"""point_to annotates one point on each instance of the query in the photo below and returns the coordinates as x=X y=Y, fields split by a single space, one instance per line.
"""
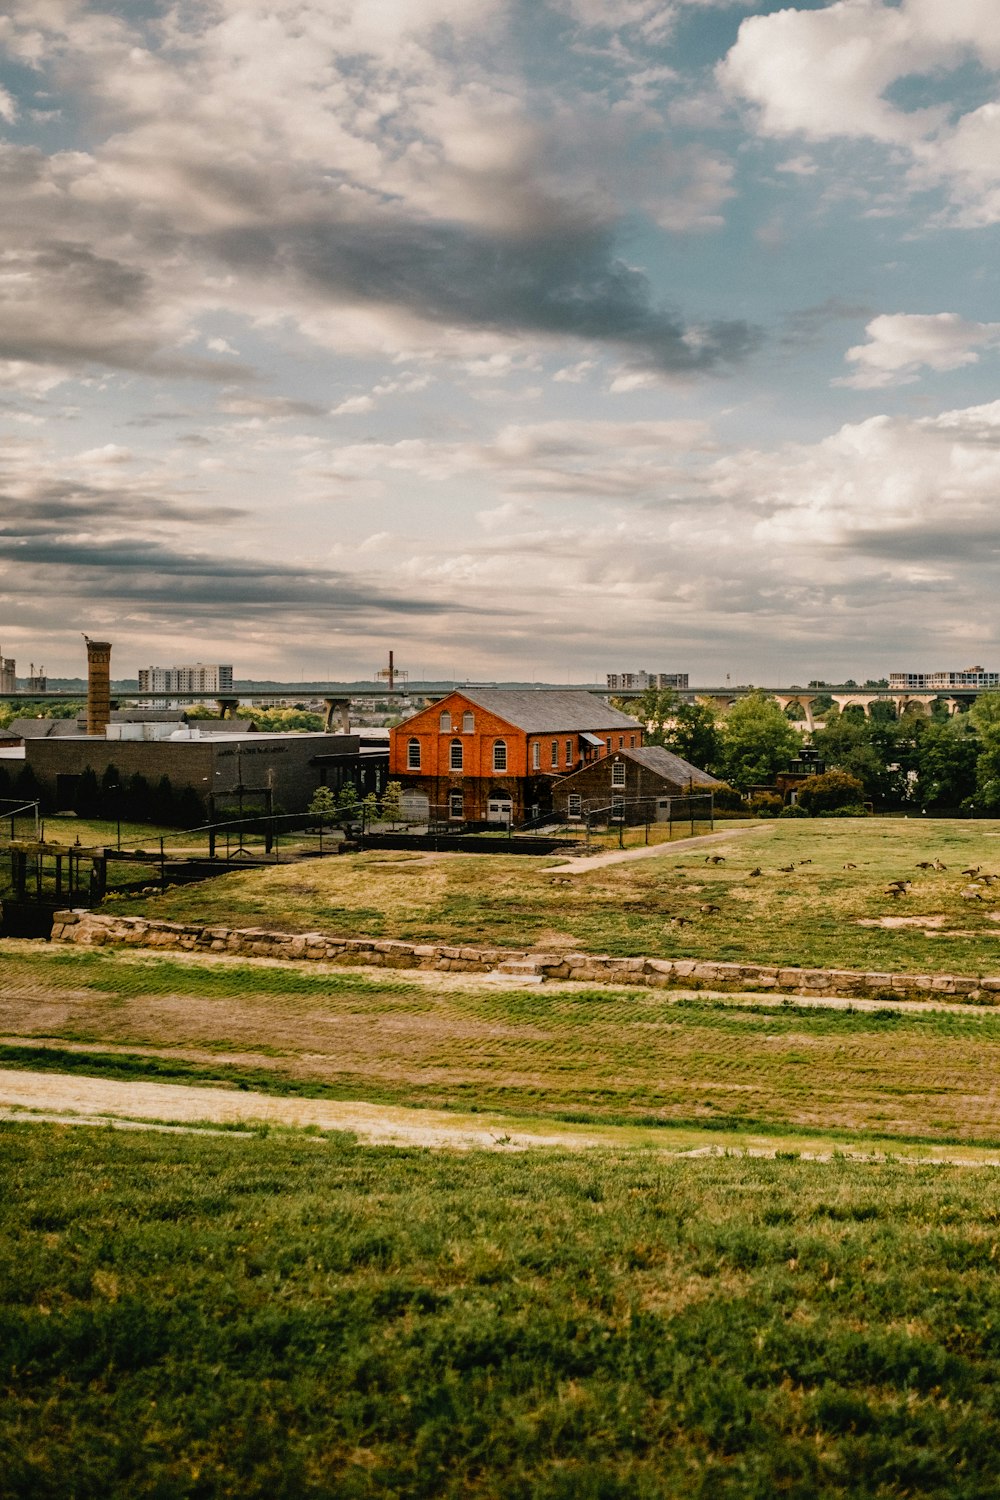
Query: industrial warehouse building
x=264 y=771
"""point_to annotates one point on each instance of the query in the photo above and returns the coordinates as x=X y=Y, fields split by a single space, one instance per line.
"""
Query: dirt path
x=27 y=1097
x=652 y=851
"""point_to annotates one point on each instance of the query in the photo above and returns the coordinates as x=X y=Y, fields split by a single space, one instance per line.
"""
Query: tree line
x=936 y=763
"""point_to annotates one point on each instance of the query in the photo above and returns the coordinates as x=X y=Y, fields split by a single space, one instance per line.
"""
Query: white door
x=415 y=807
x=499 y=810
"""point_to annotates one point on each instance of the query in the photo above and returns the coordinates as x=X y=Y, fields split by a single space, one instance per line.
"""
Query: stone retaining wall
x=92 y=929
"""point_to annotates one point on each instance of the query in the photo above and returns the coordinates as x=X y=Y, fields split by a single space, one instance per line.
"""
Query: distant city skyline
x=535 y=339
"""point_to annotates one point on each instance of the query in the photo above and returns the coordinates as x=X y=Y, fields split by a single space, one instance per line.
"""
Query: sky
x=531 y=339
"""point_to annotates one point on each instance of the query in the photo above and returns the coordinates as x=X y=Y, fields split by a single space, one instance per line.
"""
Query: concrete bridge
x=336 y=700
x=902 y=700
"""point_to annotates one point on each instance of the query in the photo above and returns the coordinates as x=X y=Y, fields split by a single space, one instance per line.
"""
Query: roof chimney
x=98 y=685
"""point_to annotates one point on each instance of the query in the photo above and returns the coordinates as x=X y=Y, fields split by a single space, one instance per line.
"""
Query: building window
x=555 y=754
x=536 y=756
x=569 y=752
x=468 y=723
x=621 y=742
x=574 y=805
x=608 y=743
x=413 y=755
x=618 y=809
x=455 y=808
x=499 y=755
x=455 y=759
x=631 y=741
x=444 y=722
x=618 y=773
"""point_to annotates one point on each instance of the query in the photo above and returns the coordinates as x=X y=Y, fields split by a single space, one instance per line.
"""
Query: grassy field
x=192 y=1317
x=627 y=1056
x=815 y=913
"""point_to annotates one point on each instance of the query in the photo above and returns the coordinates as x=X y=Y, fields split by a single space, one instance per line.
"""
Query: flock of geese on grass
x=894 y=888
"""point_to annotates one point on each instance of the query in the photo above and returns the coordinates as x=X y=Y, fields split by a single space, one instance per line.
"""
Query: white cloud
x=354 y=406
x=828 y=74
x=900 y=345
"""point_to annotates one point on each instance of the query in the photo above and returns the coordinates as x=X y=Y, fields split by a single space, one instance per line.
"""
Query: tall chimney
x=98 y=685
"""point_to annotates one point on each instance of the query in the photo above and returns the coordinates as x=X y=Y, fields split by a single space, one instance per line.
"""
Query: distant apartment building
x=196 y=678
x=968 y=677
x=8 y=675
x=639 y=681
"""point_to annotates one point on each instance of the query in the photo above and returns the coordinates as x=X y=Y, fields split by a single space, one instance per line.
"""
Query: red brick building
x=493 y=755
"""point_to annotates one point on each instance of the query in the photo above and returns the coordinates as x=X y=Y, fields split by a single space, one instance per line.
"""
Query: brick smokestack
x=98 y=685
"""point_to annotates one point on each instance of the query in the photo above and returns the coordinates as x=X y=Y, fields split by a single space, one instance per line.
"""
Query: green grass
x=632 y=1056
x=811 y=915
x=192 y=1317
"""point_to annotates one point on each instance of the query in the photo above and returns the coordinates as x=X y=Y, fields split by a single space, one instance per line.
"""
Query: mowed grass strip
x=810 y=914
x=218 y=1317
x=618 y=1056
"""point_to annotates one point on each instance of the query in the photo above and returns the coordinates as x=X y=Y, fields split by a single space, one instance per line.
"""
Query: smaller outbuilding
x=637 y=785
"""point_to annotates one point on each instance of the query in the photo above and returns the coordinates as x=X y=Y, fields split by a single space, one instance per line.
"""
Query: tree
x=832 y=789
x=653 y=708
x=985 y=714
x=944 y=759
x=324 y=803
x=109 y=798
x=87 y=794
x=694 y=735
x=348 y=800
x=757 y=741
x=392 y=801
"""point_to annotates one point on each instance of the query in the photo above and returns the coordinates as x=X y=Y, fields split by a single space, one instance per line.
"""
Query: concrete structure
x=968 y=677
x=193 y=678
x=8 y=674
x=640 y=681
x=635 y=785
x=261 y=770
x=98 y=685
x=491 y=755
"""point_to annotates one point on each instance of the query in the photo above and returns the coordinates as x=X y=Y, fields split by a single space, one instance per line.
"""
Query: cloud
x=834 y=73
x=344 y=170
x=900 y=345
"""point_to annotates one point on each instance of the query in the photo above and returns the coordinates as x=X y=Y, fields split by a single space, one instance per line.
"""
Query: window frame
x=574 y=805
x=500 y=756
x=468 y=722
x=617 y=773
x=456 y=756
x=444 y=722
x=413 y=753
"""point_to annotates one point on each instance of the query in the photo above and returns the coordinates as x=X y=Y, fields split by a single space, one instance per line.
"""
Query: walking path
x=651 y=851
x=27 y=1097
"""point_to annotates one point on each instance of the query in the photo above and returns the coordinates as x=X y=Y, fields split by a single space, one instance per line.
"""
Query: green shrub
x=728 y=799
x=794 y=810
x=829 y=791
x=766 y=804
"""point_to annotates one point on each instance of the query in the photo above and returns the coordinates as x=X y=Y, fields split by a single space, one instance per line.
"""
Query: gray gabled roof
x=543 y=711
x=670 y=766
x=43 y=729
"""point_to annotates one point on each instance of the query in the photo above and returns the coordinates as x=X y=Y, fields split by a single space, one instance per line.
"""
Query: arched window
x=499 y=755
x=455 y=761
x=413 y=755
x=444 y=722
x=468 y=723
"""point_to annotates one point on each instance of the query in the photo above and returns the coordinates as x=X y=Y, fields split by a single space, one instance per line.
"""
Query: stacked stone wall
x=93 y=929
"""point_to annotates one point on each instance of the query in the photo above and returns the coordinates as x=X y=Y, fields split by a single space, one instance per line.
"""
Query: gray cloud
x=56 y=506
x=560 y=282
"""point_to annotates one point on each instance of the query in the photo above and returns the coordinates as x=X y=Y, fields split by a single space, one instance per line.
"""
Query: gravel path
x=583 y=862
